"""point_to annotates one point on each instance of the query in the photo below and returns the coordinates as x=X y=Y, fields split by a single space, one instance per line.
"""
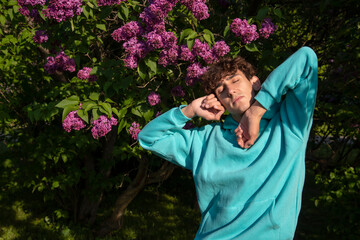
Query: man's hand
x=207 y=107
x=248 y=129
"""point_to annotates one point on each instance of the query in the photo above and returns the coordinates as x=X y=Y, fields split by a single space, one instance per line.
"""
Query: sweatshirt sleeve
x=165 y=137
x=296 y=78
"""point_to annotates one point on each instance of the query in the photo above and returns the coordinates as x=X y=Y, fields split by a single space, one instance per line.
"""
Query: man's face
x=236 y=93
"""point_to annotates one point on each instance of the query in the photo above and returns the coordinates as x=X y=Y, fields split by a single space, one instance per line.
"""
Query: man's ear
x=255 y=81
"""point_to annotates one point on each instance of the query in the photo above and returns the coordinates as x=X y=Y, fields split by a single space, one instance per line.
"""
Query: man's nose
x=230 y=91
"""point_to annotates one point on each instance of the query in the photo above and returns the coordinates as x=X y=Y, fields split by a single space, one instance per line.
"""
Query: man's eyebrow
x=232 y=77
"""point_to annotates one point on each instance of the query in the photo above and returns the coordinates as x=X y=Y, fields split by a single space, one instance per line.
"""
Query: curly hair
x=225 y=67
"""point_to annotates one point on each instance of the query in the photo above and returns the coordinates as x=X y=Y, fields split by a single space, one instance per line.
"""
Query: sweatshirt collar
x=230 y=123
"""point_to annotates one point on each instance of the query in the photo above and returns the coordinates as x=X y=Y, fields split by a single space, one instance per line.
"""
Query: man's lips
x=237 y=99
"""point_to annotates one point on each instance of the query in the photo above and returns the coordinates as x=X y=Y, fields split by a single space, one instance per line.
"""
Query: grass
x=166 y=211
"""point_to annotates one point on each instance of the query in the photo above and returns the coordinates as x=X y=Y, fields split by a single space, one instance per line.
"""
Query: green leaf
x=208 y=33
x=207 y=38
x=151 y=64
x=251 y=47
x=122 y=112
x=226 y=30
x=101 y=26
x=55 y=184
x=122 y=124
x=109 y=100
x=136 y=111
x=185 y=33
x=95 y=114
x=141 y=69
x=124 y=10
x=90 y=4
x=16 y=8
x=102 y=110
x=115 y=111
x=11 y=13
x=68 y=109
x=64 y=158
x=89 y=106
x=73 y=100
x=190 y=43
x=94 y=70
x=278 y=12
x=107 y=108
x=148 y=114
x=94 y=96
x=83 y=115
x=2 y=20
x=86 y=11
x=192 y=35
x=262 y=13
x=72 y=24
x=12 y=2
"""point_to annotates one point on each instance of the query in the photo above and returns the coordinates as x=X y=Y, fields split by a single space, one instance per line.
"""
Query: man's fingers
x=209 y=103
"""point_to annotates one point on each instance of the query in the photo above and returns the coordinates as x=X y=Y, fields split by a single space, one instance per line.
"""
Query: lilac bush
x=135 y=51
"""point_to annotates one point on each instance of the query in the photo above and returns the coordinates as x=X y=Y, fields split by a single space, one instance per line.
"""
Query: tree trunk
x=142 y=178
x=89 y=207
x=115 y=221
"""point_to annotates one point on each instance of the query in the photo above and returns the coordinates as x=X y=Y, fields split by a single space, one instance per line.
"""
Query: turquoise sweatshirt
x=250 y=193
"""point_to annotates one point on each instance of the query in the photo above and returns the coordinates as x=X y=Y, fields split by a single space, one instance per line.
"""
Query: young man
x=249 y=171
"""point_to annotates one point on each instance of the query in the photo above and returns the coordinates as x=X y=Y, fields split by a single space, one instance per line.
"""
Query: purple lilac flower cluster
x=73 y=121
x=60 y=62
x=135 y=49
x=61 y=10
x=84 y=74
x=242 y=29
x=185 y=54
x=154 y=98
x=40 y=37
x=212 y=55
x=267 y=28
x=178 y=91
x=102 y=126
x=197 y=7
x=156 y=12
x=129 y=30
x=140 y=41
x=134 y=130
x=201 y=50
x=109 y=2
x=194 y=72
x=26 y=5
